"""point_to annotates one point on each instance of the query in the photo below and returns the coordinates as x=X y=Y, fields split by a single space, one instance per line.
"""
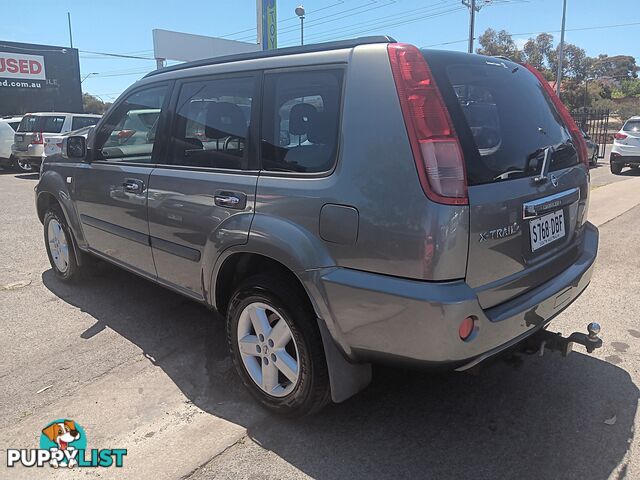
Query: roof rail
x=315 y=47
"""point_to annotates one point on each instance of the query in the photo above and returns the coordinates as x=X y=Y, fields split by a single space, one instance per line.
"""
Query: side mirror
x=74 y=147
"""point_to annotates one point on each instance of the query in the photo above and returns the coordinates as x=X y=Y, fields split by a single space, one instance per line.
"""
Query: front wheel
x=23 y=166
x=276 y=346
x=59 y=244
x=616 y=168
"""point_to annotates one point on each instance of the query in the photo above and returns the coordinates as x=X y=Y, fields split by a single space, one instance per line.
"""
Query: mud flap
x=346 y=379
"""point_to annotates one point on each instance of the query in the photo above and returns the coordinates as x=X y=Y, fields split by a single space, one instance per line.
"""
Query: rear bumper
x=376 y=318
x=625 y=154
x=33 y=153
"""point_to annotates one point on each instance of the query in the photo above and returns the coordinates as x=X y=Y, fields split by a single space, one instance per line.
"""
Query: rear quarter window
x=505 y=114
x=81 y=122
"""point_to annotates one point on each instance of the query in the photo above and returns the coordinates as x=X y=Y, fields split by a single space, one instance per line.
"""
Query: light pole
x=561 y=50
x=88 y=75
x=300 y=13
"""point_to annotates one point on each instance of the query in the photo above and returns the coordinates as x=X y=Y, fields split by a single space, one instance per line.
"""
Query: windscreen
x=505 y=114
x=45 y=124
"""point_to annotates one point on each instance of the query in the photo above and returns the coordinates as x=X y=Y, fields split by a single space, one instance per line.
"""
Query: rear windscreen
x=45 y=124
x=505 y=115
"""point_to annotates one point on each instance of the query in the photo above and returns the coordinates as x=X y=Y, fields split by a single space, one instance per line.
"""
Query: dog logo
x=63 y=435
x=63 y=443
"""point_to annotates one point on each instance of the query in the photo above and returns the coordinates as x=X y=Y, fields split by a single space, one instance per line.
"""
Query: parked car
x=8 y=125
x=53 y=144
x=625 y=151
x=592 y=149
x=333 y=231
x=34 y=128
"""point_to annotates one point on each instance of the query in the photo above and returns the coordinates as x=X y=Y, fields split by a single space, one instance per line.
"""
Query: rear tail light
x=576 y=134
x=435 y=146
x=37 y=138
x=620 y=136
x=125 y=134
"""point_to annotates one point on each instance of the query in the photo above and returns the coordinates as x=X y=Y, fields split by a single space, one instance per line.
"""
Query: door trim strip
x=175 y=249
x=123 y=232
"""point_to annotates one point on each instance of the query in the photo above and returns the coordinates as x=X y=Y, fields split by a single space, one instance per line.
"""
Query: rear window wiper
x=546 y=161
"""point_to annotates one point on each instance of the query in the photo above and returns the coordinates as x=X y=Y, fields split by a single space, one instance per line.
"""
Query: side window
x=130 y=131
x=300 y=121
x=212 y=123
x=81 y=122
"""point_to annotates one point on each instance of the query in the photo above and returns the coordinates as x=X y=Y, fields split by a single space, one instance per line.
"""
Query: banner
x=18 y=65
x=269 y=25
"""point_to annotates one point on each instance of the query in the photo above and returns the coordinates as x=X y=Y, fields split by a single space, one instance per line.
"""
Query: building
x=39 y=78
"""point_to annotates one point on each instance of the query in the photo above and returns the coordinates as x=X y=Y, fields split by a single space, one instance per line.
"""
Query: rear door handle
x=235 y=200
x=133 y=185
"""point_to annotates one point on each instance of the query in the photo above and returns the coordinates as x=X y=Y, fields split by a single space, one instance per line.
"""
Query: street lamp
x=88 y=75
x=300 y=13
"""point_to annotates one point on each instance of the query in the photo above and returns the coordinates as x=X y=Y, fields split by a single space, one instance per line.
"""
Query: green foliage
x=91 y=104
x=498 y=44
x=586 y=80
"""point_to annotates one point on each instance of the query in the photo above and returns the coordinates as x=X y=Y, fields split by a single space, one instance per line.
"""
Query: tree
x=618 y=66
x=91 y=104
x=498 y=44
x=536 y=51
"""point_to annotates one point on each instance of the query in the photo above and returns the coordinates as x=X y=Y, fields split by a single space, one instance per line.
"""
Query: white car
x=53 y=144
x=626 y=146
x=29 y=139
x=8 y=126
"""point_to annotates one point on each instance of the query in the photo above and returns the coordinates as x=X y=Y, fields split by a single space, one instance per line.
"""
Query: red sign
x=18 y=65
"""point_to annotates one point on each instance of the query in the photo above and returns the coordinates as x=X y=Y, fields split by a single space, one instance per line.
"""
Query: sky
x=124 y=27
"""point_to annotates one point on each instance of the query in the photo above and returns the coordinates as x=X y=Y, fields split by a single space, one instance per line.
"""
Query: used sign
x=18 y=65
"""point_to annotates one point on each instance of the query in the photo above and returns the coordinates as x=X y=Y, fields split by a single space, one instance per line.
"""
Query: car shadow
x=28 y=176
x=630 y=172
x=537 y=418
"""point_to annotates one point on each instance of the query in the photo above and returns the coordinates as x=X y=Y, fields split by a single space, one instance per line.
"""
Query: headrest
x=321 y=130
x=301 y=117
x=225 y=119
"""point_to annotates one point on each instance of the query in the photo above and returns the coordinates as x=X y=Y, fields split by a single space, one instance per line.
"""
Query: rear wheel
x=276 y=346
x=616 y=168
x=23 y=166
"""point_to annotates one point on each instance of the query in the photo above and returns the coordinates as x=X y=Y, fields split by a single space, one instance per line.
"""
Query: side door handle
x=235 y=200
x=133 y=185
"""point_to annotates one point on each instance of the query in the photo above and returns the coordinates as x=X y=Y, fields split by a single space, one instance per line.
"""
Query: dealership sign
x=17 y=65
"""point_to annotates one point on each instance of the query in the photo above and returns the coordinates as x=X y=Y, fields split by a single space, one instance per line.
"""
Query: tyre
x=594 y=159
x=276 y=347
x=616 y=168
x=23 y=166
x=59 y=243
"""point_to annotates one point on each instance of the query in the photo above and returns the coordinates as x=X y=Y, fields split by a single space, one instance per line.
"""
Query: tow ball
x=555 y=342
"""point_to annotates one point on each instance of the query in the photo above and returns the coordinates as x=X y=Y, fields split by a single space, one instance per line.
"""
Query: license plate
x=20 y=138
x=546 y=229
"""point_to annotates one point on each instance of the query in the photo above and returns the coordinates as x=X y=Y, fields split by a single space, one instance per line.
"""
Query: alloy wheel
x=268 y=350
x=58 y=245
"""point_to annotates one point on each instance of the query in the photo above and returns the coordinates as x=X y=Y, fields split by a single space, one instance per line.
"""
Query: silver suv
x=340 y=205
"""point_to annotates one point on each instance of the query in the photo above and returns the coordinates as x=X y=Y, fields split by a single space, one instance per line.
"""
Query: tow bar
x=557 y=343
